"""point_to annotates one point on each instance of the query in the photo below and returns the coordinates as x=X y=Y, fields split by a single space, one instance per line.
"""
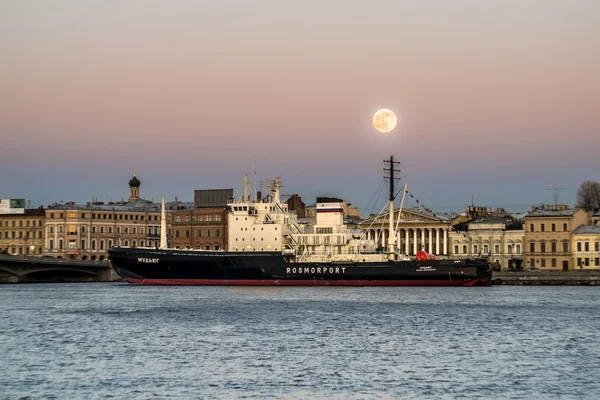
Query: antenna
x=555 y=196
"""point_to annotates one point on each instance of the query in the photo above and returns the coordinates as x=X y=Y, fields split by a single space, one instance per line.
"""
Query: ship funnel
x=163 y=224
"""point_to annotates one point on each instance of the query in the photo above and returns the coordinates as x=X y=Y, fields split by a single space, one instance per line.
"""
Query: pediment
x=407 y=216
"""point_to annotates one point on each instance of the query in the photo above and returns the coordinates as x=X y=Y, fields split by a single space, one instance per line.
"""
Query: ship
x=269 y=246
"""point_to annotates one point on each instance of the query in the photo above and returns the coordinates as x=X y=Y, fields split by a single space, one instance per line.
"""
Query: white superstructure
x=268 y=225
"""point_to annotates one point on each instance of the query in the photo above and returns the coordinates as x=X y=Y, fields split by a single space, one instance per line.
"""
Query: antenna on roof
x=555 y=196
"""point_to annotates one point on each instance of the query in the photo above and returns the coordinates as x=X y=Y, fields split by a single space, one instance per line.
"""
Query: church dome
x=134 y=182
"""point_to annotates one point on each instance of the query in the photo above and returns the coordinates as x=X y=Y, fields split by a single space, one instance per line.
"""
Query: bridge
x=20 y=269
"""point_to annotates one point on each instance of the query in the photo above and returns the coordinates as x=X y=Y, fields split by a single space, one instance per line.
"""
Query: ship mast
x=391 y=170
x=163 y=224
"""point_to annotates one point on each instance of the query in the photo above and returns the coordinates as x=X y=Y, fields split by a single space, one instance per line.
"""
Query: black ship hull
x=188 y=267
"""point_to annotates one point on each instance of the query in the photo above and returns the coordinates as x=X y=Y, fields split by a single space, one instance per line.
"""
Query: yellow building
x=501 y=238
x=586 y=247
x=22 y=234
x=548 y=236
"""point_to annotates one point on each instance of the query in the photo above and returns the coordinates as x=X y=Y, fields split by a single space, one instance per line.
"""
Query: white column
x=437 y=241
x=422 y=244
x=430 y=241
x=383 y=238
x=445 y=241
x=415 y=240
x=406 y=241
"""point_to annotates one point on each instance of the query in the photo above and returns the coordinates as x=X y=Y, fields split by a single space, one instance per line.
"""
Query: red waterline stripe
x=305 y=282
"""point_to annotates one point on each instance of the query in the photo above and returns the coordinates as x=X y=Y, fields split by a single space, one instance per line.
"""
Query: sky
x=497 y=100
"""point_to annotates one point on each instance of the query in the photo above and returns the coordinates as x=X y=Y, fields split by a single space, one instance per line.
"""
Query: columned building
x=416 y=231
x=501 y=239
x=548 y=236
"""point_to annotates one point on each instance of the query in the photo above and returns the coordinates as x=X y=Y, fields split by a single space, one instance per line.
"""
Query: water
x=103 y=341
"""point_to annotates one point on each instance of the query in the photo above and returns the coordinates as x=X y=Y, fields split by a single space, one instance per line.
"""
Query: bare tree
x=588 y=196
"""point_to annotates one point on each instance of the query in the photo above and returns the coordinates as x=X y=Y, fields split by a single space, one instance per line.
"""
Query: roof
x=139 y=205
x=593 y=229
x=34 y=212
x=551 y=213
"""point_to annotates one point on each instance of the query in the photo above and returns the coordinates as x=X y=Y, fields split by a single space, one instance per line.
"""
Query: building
x=548 y=236
x=595 y=219
x=22 y=233
x=295 y=204
x=350 y=213
x=87 y=231
x=586 y=247
x=501 y=238
x=12 y=206
x=417 y=231
x=200 y=228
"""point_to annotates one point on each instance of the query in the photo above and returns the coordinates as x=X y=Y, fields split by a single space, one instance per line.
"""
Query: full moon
x=384 y=120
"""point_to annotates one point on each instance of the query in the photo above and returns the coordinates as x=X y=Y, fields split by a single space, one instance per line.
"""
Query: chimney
x=533 y=208
x=258 y=196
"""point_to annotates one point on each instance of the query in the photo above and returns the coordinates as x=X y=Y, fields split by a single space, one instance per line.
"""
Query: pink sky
x=499 y=98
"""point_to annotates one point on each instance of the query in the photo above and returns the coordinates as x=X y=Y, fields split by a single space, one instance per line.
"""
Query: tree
x=588 y=196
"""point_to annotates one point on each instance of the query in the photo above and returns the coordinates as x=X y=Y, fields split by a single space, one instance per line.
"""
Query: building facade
x=586 y=247
x=86 y=232
x=199 y=228
x=500 y=238
x=22 y=233
x=548 y=236
x=416 y=231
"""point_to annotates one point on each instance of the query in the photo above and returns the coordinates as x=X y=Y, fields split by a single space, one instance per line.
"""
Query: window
x=579 y=261
x=587 y=261
x=486 y=249
x=187 y=218
x=110 y=243
x=217 y=247
x=177 y=233
x=51 y=229
x=134 y=231
x=101 y=229
x=60 y=243
x=496 y=248
x=141 y=243
x=51 y=245
x=93 y=229
x=187 y=233
x=178 y=219
x=208 y=233
x=208 y=218
x=134 y=243
x=456 y=249
x=578 y=246
x=60 y=229
x=543 y=228
x=217 y=218
x=118 y=229
x=543 y=247
x=597 y=261
x=554 y=229
x=198 y=232
x=207 y=247
x=509 y=248
x=465 y=249
x=597 y=246
x=553 y=261
x=127 y=243
x=553 y=246
x=532 y=247
x=565 y=227
x=102 y=245
x=82 y=244
x=565 y=247
x=110 y=229
x=530 y=227
x=587 y=246
x=475 y=249
x=217 y=232
x=93 y=245
x=518 y=248
x=543 y=262
x=142 y=231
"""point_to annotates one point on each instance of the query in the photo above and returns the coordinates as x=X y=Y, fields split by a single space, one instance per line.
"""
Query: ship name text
x=316 y=270
x=148 y=260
